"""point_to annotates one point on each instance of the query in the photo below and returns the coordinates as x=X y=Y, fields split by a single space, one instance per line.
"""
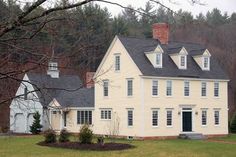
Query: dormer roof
x=137 y=46
x=177 y=51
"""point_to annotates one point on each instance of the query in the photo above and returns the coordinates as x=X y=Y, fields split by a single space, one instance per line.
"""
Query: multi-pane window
x=217 y=117
x=169 y=117
x=129 y=87
x=159 y=59
x=154 y=117
x=105 y=88
x=154 y=87
x=106 y=114
x=183 y=61
x=168 y=88
x=117 y=63
x=130 y=117
x=84 y=117
x=186 y=88
x=216 y=89
x=204 y=117
x=204 y=89
x=52 y=66
x=206 y=62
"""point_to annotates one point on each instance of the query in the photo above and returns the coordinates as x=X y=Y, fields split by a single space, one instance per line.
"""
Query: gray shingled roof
x=137 y=46
x=67 y=90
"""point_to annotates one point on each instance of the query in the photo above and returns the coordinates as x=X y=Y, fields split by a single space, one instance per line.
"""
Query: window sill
x=203 y=97
x=217 y=125
x=154 y=127
x=216 y=97
x=169 y=96
x=171 y=126
x=155 y=96
x=105 y=119
x=130 y=96
x=187 y=97
x=204 y=126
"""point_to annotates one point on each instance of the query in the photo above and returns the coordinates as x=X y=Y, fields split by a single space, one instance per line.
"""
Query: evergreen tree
x=119 y=26
x=200 y=18
x=233 y=124
x=146 y=20
x=35 y=128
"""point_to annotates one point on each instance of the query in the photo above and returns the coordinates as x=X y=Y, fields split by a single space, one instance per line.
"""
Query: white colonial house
x=160 y=88
x=144 y=88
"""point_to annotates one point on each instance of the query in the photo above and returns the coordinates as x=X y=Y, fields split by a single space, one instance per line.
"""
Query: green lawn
x=26 y=147
x=230 y=138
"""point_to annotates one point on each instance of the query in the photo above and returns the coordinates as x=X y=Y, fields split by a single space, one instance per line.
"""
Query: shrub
x=50 y=136
x=100 y=140
x=85 y=135
x=233 y=124
x=35 y=128
x=64 y=136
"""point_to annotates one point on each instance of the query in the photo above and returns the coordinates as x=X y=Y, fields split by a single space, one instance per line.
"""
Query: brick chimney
x=89 y=83
x=160 y=31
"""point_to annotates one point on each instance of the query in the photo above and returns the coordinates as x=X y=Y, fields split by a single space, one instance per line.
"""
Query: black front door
x=187 y=121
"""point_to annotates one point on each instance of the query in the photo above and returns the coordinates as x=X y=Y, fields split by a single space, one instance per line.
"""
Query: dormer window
x=203 y=60
x=159 y=60
x=183 y=61
x=206 y=63
x=155 y=56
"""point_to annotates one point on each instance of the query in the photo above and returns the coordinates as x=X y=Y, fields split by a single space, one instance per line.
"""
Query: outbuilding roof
x=68 y=90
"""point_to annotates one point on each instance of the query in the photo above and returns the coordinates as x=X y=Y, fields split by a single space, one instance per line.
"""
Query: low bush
x=50 y=136
x=64 y=136
x=85 y=134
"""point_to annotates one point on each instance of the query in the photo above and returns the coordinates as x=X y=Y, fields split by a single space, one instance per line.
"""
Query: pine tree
x=35 y=128
x=233 y=124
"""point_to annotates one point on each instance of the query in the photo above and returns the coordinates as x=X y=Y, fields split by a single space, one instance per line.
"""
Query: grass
x=26 y=147
x=229 y=138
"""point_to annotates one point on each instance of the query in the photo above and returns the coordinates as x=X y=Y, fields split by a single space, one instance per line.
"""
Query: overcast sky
x=224 y=5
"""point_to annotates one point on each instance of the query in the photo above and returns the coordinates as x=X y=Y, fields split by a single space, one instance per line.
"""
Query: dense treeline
x=83 y=34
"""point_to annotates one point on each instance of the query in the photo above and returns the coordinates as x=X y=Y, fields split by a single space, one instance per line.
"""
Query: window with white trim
x=106 y=114
x=217 y=117
x=204 y=89
x=183 y=62
x=204 y=117
x=117 y=62
x=206 y=63
x=216 y=89
x=154 y=87
x=129 y=87
x=168 y=88
x=155 y=117
x=130 y=117
x=105 y=87
x=159 y=59
x=169 y=117
x=186 y=88
x=84 y=117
